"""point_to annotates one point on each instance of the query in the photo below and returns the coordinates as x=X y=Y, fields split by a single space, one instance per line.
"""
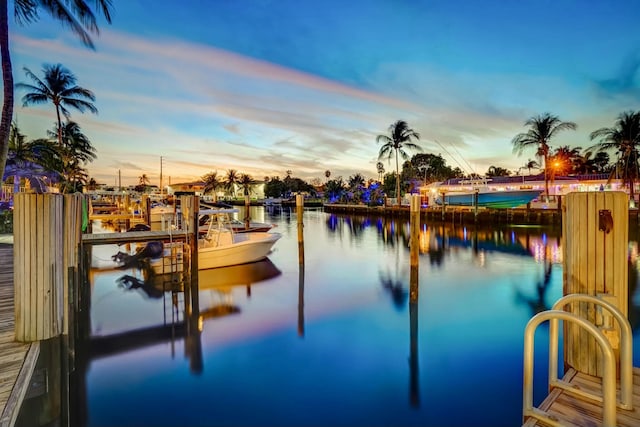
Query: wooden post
x=146 y=205
x=300 y=215
x=595 y=244
x=46 y=241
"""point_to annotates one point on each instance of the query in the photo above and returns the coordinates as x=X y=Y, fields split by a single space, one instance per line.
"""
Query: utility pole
x=161 y=177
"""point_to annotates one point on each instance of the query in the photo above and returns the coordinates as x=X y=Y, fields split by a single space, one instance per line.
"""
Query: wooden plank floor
x=12 y=353
x=582 y=412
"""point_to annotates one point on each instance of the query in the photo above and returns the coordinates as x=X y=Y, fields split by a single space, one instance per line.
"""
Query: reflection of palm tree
x=538 y=304
x=399 y=294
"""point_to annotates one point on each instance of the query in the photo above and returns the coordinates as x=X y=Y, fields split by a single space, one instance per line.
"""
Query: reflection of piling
x=247 y=210
x=414 y=242
x=475 y=206
x=300 y=213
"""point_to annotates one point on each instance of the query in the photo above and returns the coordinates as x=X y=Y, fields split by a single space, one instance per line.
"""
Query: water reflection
x=244 y=364
x=539 y=303
x=436 y=240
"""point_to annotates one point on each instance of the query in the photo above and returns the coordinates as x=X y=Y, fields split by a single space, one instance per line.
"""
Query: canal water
x=330 y=338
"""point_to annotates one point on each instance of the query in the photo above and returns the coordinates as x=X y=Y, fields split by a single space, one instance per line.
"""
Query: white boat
x=480 y=193
x=221 y=246
x=161 y=213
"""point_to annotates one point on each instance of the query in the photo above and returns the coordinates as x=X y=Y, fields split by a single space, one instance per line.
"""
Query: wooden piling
x=47 y=236
x=595 y=240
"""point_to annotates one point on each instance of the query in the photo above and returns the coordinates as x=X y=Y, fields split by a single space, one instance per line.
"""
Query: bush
x=6 y=221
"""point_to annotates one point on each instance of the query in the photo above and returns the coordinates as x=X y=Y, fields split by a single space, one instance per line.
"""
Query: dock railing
x=608 y=396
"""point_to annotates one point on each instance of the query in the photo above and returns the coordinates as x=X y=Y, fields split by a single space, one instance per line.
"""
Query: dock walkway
x=573 y=411
x=17 y=360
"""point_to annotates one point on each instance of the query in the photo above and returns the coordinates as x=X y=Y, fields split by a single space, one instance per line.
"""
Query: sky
x=270 y=86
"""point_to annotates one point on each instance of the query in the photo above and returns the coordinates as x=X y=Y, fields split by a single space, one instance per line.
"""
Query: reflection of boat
x=245 y=274
x=460 y=192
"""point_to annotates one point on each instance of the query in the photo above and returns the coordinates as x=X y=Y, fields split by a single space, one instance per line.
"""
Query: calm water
x=336 y=342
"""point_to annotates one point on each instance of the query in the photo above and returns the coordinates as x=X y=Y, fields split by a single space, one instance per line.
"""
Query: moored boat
x=478 y=193
x=221 y=246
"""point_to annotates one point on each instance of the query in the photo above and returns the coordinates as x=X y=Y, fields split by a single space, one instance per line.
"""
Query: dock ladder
x=608 y=396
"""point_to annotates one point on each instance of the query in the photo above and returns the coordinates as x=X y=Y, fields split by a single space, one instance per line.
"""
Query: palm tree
x=75 y=152
x=380 y=169
x=24 y=159
x=531 y=164
x=77 y=15
x=212 y=183
x=246 y=182
x=231 y=180
x=143 y=179
x=59 y=87
x=327 y=174
x=399 y=138
x=542 y=129
x=624 y=138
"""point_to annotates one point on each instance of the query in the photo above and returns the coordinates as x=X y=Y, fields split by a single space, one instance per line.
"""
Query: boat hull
x=245 y=248
x=491 y=199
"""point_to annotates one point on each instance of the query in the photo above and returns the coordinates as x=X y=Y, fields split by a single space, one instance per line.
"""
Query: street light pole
x=160 y=177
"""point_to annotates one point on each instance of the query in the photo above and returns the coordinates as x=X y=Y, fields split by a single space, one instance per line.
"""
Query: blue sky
x=266 y=86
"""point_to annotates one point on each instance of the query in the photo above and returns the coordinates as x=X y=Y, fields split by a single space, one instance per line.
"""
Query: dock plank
x=12 y=353
x=577 y=411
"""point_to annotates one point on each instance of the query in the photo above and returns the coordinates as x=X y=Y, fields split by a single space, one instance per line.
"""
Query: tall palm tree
x=624 y=139
x=231 y=180
x=76 y=14
x=542 y=129
x=59 y=87
x=399 y=139
x=212 y=183
x=327 y=174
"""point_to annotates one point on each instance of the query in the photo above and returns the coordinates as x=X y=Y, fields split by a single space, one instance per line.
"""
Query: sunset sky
x=266 y=86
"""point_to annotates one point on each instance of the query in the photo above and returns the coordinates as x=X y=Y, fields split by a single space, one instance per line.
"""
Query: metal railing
x=608 y=397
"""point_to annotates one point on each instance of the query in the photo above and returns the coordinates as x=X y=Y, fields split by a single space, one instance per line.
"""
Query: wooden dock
x=132 y=236
x=17 y=360
x=571 y=410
